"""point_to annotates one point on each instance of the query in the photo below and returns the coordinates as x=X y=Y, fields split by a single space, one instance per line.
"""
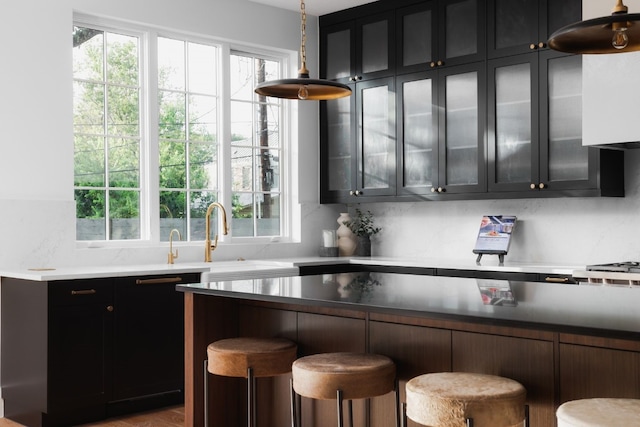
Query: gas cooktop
x=623 y=267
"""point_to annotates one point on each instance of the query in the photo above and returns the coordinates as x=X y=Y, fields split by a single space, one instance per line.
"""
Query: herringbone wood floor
x=167 y=417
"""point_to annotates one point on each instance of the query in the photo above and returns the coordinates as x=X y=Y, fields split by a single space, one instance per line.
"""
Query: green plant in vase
x=363 y=227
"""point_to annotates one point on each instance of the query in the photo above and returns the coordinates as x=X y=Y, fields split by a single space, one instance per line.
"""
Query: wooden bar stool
x=342 y=376
x=456 y=399
x=599 y=412
x=249 y=358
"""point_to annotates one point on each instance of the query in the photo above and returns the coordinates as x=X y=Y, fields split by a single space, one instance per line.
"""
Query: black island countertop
x=534 y=304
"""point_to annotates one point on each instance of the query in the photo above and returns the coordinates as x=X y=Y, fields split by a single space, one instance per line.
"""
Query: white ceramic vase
x=347 y=241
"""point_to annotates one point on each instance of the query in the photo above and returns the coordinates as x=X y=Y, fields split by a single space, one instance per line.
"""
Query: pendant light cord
x=303 y=40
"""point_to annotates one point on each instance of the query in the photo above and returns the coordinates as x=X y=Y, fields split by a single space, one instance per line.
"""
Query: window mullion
x=150 y=147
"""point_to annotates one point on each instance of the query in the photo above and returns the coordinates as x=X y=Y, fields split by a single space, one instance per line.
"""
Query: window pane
x=200 y=201
x=173 y=214
x=122 y=59
x=88 y=108
x=123 y=111
x=268 y=222
x=88 y=53
x=90 y=215
x=242 y=224
x=202 y=118
x=202 y=66
x=242 y=168
x=241 y=123
x=171 y=73
x=203 y=166
x=89 y=161
x=124 y=215
x=124 y=163
x=172 y=115
x=268 y=128
x=172 y=164
x=268 y=167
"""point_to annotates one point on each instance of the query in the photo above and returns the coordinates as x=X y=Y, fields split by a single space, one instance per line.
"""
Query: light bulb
x=620 y=39
x=303 y=92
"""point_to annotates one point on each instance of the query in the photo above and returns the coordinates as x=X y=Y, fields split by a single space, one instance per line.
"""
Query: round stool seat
x=357 y=375
x=267 y=357
x=601 y=412
x=448 y=399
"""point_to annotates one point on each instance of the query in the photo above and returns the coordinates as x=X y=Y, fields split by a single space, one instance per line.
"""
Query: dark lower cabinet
x=78 y=351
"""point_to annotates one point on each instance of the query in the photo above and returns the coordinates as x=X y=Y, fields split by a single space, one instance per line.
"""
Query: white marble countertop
x=285 y=266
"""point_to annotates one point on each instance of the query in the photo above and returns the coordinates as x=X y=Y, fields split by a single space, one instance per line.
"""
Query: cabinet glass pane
x=513 y=124
x=375 y=47
x=377 y=143
x=339 y=54
x=513 y=25
x=416 y=38
x=462 y=128
x=561 y=13
x=339 y=143
x=568 y=159
x=419 y=133
x=462 y=28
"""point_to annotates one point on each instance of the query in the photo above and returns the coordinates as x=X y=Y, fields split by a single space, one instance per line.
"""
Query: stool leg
x=251 y=399
x=206 y=393
x=469 y=422
x=350 y=409
x=404 y=414
x=339 y=400
x=294 y=412
x=526 y=415
x=397 y=397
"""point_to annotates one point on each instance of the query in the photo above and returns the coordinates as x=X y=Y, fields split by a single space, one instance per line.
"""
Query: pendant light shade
x=303 y=88
x=618 y=33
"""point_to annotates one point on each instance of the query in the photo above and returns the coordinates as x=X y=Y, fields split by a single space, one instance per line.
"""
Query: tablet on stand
x=494 y=236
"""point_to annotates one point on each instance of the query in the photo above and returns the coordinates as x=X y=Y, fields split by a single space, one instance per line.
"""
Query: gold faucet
x=208 y=246
x=171 y=257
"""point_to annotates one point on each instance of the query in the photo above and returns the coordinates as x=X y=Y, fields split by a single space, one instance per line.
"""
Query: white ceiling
x=314 y=7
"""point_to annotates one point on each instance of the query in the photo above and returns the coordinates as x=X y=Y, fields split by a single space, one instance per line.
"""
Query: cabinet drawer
x=74 y=292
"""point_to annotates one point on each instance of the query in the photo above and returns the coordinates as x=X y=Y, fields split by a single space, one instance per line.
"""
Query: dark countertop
x=542 y=305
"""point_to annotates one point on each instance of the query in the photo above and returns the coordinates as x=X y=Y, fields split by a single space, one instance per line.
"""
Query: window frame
x=149 y=137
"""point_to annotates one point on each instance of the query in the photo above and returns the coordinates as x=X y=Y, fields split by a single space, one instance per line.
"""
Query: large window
x=151 y=160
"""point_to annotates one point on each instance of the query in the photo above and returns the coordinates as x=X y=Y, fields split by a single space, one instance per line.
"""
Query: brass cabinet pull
x=84 y=292
x=158 y=280
x=109 y=308
x=556 y=279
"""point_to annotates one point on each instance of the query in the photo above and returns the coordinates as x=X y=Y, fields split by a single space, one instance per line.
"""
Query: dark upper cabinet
x=359 y=49
x=440 y=33
x=441 y=122
x=358 y=150
x=520 y=26
x=535 y=129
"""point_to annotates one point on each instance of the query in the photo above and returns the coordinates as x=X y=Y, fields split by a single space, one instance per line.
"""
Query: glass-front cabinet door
x=513 y=123
x=376 y=137
x=564 y=162
x=434 y=34
x=337 y=149
x=521 y=26
x=417 y=132
x=461 y=152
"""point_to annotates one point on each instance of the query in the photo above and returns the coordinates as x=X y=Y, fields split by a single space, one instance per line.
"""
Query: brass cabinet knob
x=532 y=46
x=541 y=45
x=441 y=190
x=352 y=193
x=358 y=193
x=432 y=64
x=433 y=189
x=440 y=63
x=542 y=186
x=532 y=186
x=437 y=190
x=109 y=308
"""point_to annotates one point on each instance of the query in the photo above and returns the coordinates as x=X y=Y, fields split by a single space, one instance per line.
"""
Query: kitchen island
x=562 y=342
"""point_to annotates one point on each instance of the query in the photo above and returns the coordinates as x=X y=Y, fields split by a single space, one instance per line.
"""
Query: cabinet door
x=375 y=46
x=337 y=50
x=149 y=337
x=338 y=160
x=462 y=33
x=528 y=361
x=564 y=163
x=417 y=132
x=376 y=137
x=461 y=130
x=519 y=26
x=513 y=124
x=417 y=37
x=80 y=343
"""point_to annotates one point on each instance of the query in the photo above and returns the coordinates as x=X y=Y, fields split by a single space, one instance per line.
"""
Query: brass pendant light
x=618 y=33
x=303 y=88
